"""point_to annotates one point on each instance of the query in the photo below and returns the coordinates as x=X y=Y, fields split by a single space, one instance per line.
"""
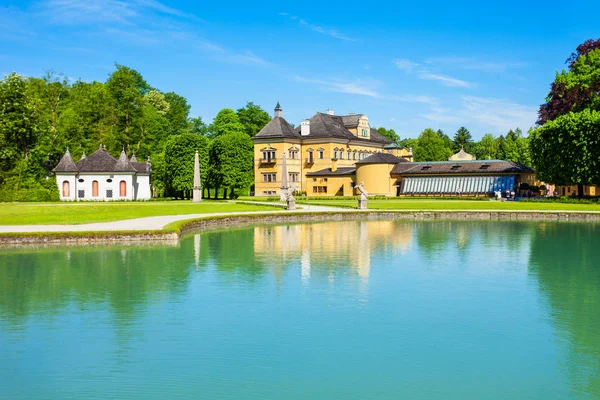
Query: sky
x=408 y=66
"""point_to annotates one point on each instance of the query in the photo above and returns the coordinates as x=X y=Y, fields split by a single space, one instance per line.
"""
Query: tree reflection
x=565 y=258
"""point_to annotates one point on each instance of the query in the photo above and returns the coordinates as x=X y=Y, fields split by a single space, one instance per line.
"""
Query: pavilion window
x=293 y=154
x=311 y=158
x=122 y=189
x=94 y=188
x=293 y=176
x=321 y=154
x=335 y=154
x=66 y=189
x=270 y=177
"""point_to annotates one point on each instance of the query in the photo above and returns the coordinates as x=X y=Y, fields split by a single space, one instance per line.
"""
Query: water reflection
x=428 y=293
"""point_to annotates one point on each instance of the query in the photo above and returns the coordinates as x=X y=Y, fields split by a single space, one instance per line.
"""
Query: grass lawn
x=86 y=212
x=433 y=204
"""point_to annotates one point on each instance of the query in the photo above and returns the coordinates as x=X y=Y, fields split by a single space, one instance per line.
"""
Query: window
x=335 y=154
x=81 y=181
x=321 y=154
x=365 y=133
x=319 y=189
x=293 y=154
x=109 y=194
x=81 y=194
x=293 y=176
x=269 y=192
x=341 y=154
x=122 y=189
x=95 y=189
x=354 y=156
x=270 y=177
x=109 y=180
x=310 y=158
x=268 y=156
x=66 y=189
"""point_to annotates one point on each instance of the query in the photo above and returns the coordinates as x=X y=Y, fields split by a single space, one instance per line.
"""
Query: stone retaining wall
x=281 y=218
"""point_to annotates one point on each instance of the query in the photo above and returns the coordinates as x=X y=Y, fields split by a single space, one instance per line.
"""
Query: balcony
x=309 y=160
x=267 y=162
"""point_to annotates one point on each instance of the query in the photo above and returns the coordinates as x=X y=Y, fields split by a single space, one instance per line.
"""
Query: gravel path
x=148 y=223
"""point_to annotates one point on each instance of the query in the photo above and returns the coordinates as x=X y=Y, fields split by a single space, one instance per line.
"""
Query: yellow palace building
x=328 y=155
x=321 y=153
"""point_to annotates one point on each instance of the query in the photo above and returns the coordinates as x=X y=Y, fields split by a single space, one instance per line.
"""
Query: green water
x=345 y=310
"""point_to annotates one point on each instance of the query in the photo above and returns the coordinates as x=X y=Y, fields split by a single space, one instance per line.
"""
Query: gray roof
x=338 y=172
x=278 y=127
x=66 y=164
x=335 y=126
x=141 y=167
x=123 y=164
x=382 y=158
x=393 y=145
x=460 y=167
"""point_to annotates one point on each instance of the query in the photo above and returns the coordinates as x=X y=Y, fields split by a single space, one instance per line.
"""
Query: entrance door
x=95 y=189
x=123 y=189
x=66 y=189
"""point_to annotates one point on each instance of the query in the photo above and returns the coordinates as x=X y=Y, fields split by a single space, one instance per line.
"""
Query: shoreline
x=175 y=230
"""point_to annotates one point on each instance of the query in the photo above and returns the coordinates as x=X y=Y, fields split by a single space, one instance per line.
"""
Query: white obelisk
x=284 y=180
x=197 y=190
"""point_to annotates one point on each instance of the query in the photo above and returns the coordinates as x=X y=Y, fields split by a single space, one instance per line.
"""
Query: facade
x=322 y=153
x=102 y=177
x=329 y=155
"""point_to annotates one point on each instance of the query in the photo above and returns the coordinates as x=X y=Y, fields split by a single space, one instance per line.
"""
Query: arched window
x=66 y=189
x=95 y=189
x=123 y=189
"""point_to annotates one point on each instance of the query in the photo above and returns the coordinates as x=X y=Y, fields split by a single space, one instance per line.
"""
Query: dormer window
x=426 y=167
x=455 y=167
x=484 y=166
x=365 y=133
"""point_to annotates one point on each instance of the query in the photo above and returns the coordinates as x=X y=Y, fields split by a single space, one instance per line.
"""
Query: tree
x=197 y=126
x=232 y=162
x=566 y=150
x=18 y=122
x=179 y=162
x=388 y=133
x=127 y=89
x=178 y=113
x=432 y=147
x=486 y=148
x=226 y=122
x=576 y=89
x=462 y=140
x=447 y=141
x=253 y=118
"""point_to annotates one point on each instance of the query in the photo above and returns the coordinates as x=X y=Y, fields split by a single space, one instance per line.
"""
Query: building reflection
x=330 y=247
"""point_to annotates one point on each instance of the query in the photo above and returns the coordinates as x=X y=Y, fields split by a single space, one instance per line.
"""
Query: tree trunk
x=224 y=193
x=579 y=191
x=216 y=192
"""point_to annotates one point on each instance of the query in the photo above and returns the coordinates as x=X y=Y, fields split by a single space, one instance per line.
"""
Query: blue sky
x=439 y=64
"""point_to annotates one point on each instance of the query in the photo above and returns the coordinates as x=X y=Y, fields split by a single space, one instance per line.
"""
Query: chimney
x=333 y=165
x=278 y=111
x=305 y=128
x=330 y=111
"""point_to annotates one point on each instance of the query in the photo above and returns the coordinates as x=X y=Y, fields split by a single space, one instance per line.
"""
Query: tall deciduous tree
x=388 y=133
x=576 y=89
x=179 y=162
x=226 y=122
x=232 y=162
x=566 y=150
x=253 y=117
x=432 y=147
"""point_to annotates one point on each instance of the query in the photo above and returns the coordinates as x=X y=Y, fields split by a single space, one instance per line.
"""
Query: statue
x=197 y=189
x=362 y=200
x=290 y=199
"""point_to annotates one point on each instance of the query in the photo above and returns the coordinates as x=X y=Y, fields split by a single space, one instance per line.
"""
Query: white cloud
x=361 y=87
x=423 y=73
x=317 y=28
x=406 y=65
x=78 y=12
x=445 y=80
x=469 y=63
x=490 y=113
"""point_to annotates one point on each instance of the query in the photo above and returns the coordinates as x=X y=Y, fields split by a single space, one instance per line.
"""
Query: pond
x=352 y=310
